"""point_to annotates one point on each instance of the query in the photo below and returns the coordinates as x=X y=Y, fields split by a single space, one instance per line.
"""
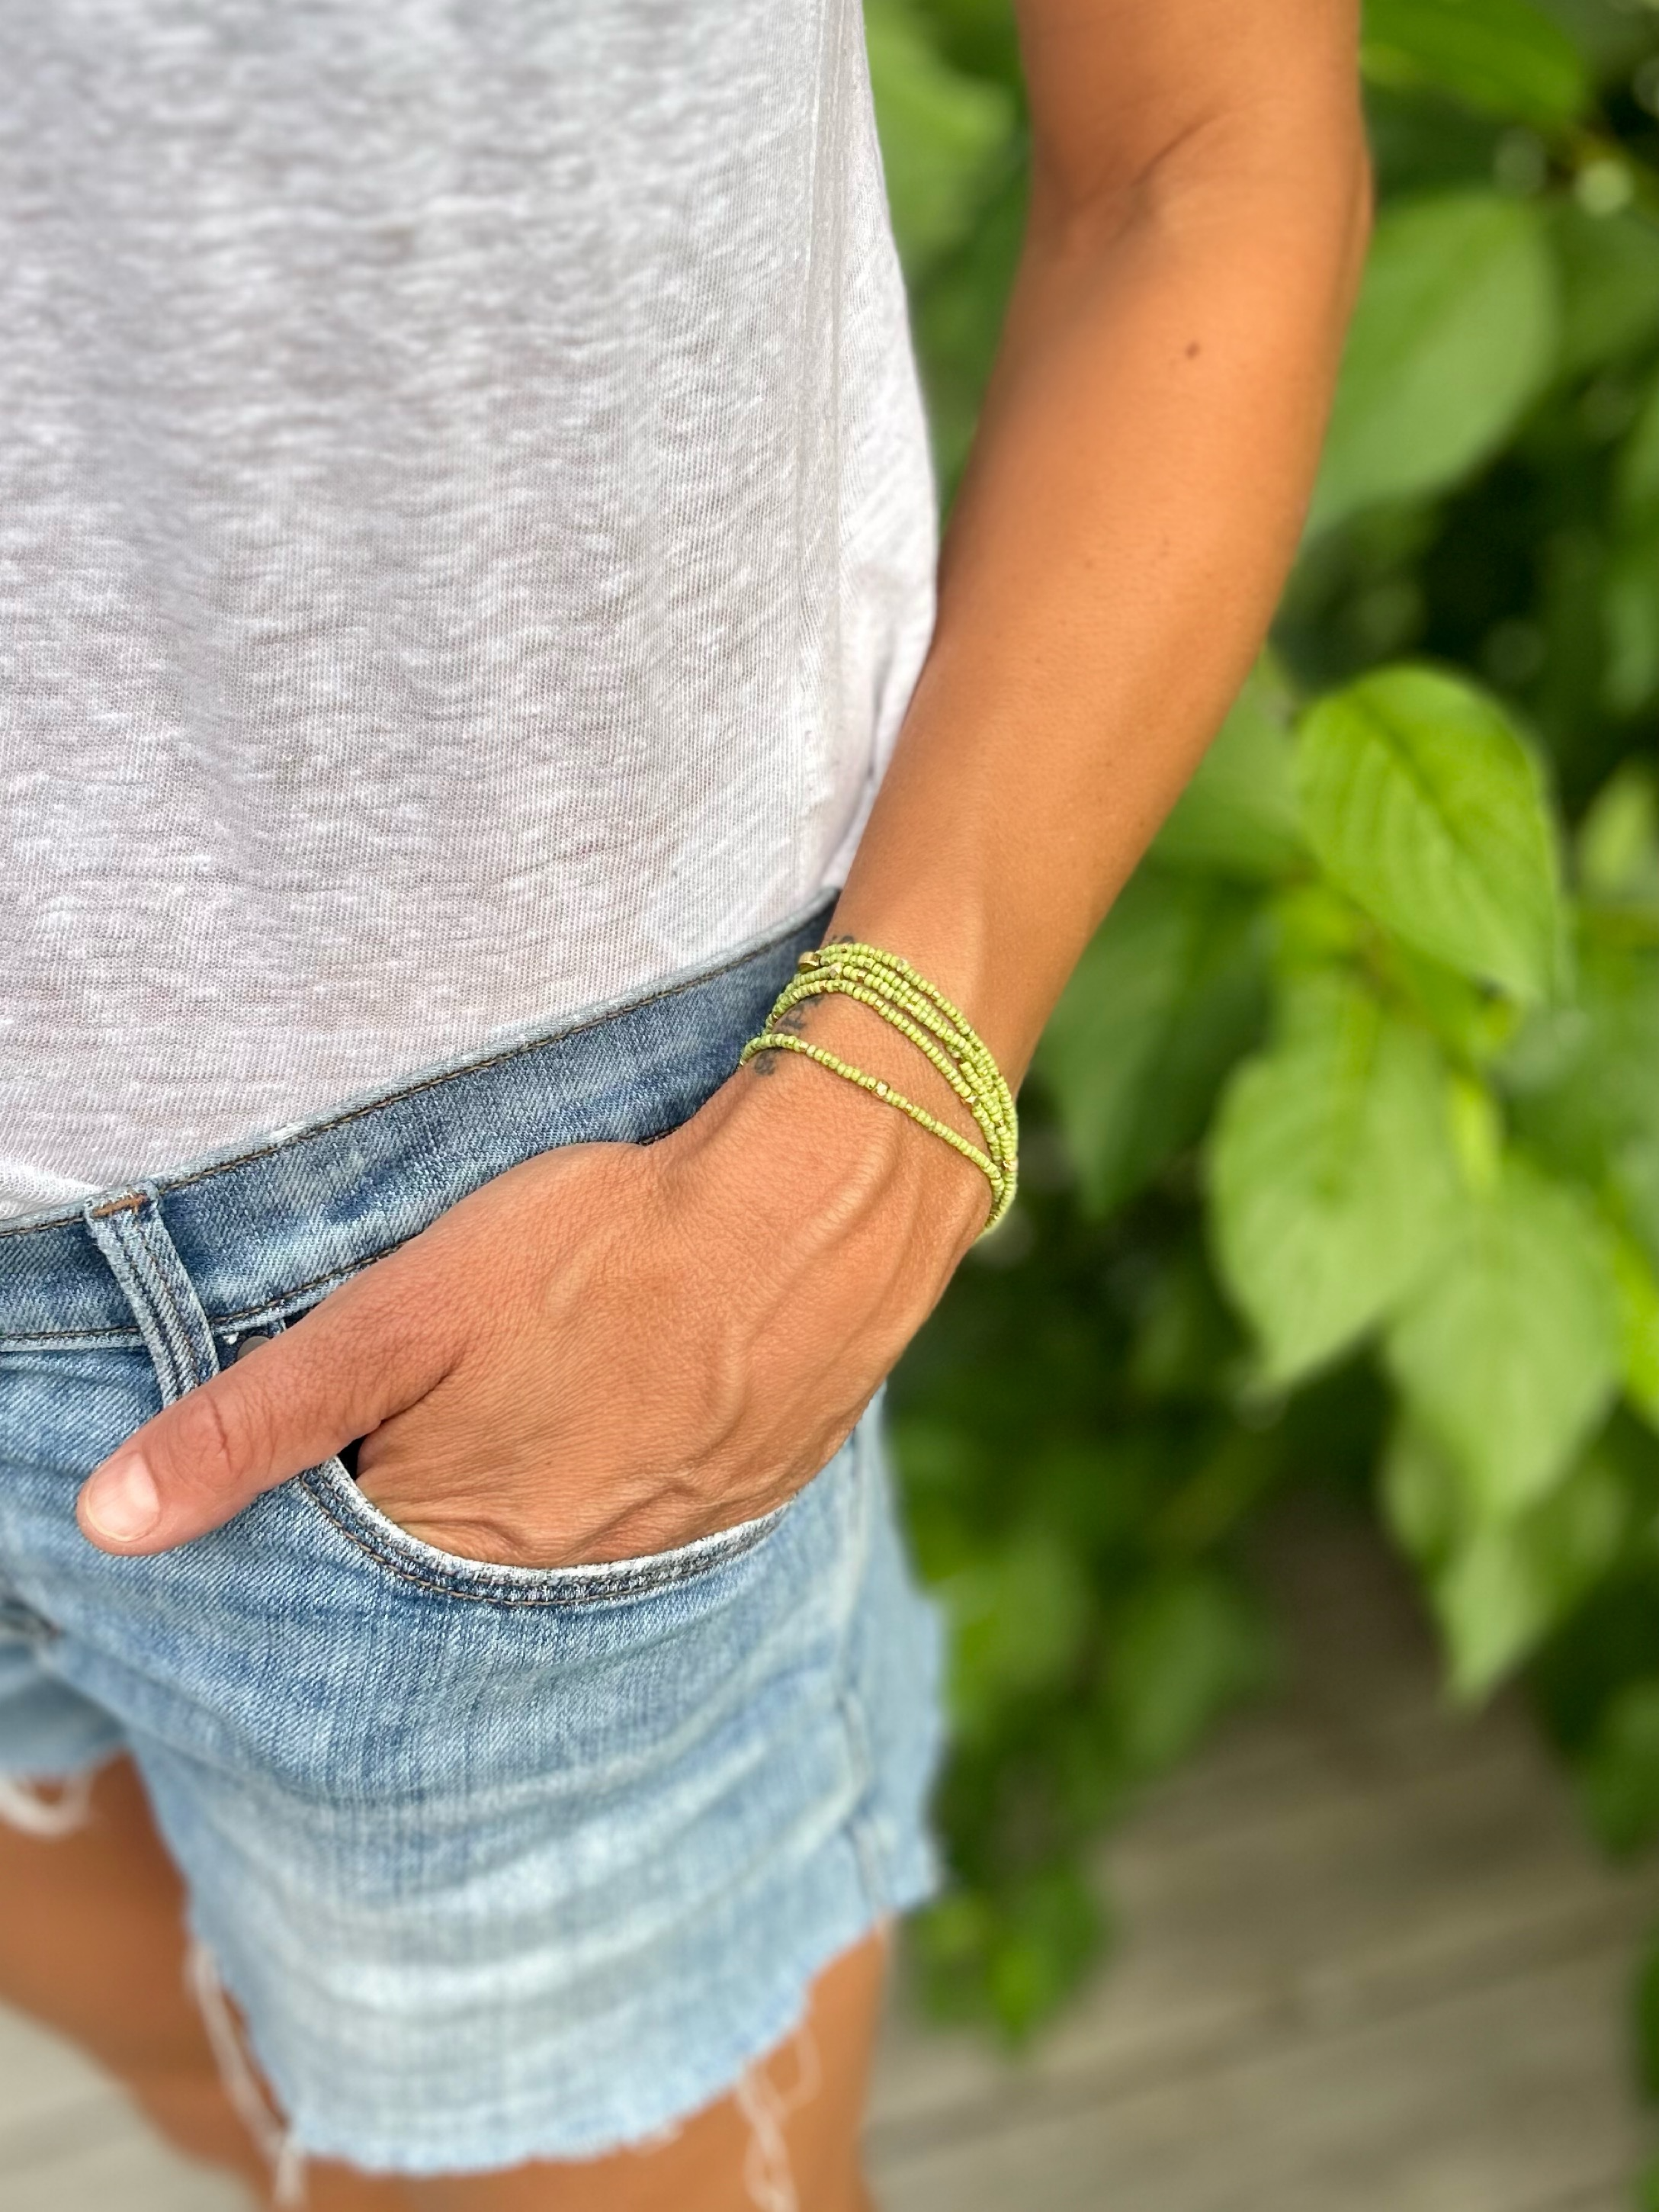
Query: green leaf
x=1507 y=1352
x=1331 y=1176
x=1581 y=1079
x=1638 y=1313
x=1513 y=1582
x=941 y=133
x=1238 y=815
x=1473 y=1022
x=1168 y=993
x=1455 y=335
x=1477 y=1130
x=1636 y=1183
x=1422 y=803
x=1609 y=273
x=1618 y=841
x=1499 y=1587
x=1049 y=1929
x=1015 y=1951
x=1423 y=1502
x=1316 y=929
x=1502 y=57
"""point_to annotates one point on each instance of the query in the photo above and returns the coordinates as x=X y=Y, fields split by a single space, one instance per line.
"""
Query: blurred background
x=1288 y=1463
x=1315 y=1376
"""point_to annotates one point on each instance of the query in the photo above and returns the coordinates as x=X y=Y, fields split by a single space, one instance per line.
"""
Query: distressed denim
x=499 y=1863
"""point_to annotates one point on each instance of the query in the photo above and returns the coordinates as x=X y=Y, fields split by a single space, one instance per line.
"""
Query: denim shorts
x=499 y=1863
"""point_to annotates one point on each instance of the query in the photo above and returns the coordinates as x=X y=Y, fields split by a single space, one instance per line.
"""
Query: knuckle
x=212 y=1441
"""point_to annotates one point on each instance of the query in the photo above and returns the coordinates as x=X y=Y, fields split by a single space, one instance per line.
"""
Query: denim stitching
x=27 y=1336
x=219 y=1321
x=132 y=1203
x=191 y=1363
x=318 y=1282
x=20 y=1622
x=335 y=1275
x=130 y=1270
x=849 y=1705
x=150 y=1276
x=633 y=1582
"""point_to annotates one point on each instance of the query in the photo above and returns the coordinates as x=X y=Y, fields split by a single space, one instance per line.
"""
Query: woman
x=469 y=564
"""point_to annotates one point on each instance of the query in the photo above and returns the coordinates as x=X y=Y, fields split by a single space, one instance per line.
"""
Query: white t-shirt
x=466 y=535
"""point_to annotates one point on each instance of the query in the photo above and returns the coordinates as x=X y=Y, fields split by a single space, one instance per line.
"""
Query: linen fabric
x=465 y=532
x=498 y=1863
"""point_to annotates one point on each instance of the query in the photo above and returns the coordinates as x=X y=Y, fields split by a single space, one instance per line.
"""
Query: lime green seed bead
x=891 y=989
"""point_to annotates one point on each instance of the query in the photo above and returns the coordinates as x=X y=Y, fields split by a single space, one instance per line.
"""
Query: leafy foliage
x=1332 y=1177
x=1502 y=55
x=1455 y=333
x=944 y=131
x=1160 y=1006
x=1508 y=1355
x=1342 y=1158
x=1421 y=804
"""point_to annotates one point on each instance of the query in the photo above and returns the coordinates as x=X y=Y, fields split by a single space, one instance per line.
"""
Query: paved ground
x=1370 y=1966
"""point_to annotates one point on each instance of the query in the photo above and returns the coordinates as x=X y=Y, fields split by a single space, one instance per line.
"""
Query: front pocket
x=612 y=1581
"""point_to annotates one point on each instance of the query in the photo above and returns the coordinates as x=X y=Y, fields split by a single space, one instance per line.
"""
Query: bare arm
x=612 y=1349
x=1198 y=219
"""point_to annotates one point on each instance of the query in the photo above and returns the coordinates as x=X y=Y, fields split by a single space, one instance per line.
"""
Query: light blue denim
x=499 y=1863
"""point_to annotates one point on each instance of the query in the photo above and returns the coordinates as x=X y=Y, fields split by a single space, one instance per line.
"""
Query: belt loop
x=131 y=1234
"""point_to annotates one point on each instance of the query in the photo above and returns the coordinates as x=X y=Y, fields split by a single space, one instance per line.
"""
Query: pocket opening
x=334 y=1492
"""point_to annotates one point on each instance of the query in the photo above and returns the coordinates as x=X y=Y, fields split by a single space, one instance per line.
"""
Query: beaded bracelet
x=907 y=1002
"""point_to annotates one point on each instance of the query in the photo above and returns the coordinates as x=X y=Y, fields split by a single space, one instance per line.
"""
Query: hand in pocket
x=609 y=1350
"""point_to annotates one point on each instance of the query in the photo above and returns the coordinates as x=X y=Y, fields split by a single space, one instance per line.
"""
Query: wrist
x=805 y=1146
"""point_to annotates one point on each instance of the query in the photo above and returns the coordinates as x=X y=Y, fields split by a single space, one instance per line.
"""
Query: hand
x=608 y=1351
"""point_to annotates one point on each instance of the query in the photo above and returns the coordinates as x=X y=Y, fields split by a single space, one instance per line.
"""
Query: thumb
x=338 y=1374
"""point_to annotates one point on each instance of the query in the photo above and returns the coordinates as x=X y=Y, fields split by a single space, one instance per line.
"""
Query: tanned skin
x=611 y=1350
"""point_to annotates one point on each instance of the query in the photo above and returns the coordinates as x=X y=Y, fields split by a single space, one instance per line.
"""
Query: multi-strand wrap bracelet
x=907 y=1002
